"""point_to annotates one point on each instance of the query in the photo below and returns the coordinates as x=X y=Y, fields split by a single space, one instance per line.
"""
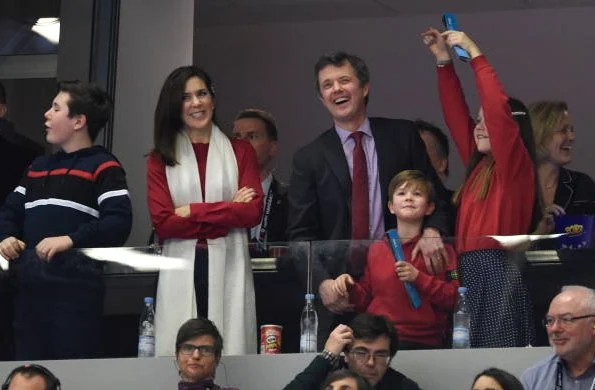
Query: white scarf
x=231 y=285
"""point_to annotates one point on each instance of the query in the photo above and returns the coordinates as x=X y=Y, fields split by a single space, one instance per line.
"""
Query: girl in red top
x=381 y=290
x=498 y=197
x=204 y=191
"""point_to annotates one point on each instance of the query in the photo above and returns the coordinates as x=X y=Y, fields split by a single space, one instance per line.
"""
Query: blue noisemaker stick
x=395 y=245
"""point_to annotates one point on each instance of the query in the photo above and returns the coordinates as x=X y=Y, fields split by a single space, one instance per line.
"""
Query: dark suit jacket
x=277 y=226
x=320 y=191
x=277 y=221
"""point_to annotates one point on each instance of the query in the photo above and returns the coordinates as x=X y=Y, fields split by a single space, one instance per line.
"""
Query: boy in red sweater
x=381 y=290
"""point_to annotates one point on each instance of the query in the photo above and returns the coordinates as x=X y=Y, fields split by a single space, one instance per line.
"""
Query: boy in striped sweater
x=74 y=198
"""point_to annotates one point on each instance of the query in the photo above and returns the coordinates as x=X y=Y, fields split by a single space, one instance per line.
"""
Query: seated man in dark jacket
x=369 y=344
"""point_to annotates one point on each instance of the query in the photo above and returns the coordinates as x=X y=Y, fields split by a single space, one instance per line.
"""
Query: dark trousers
x=6 y=336
x=201 y=280
x=58 y=308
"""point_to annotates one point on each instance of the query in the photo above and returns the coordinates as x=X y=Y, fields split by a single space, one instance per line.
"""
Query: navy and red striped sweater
x=82 y=194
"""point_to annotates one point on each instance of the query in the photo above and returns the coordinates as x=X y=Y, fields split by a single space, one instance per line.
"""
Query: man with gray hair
x=570 y=325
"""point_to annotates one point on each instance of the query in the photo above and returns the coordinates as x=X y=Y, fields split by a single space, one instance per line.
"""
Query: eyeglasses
x=204 y=350
x=564 y=321
x=362 y=355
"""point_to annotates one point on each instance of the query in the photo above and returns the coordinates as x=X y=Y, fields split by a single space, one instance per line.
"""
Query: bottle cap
x=310 y=297
x=462 y=290
x=148 y=300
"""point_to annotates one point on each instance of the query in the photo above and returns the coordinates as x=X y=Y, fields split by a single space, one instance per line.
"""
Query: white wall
x=155 y=37
x=537 y=53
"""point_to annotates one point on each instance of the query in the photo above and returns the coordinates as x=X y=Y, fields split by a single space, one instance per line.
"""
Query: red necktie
x=360 y=214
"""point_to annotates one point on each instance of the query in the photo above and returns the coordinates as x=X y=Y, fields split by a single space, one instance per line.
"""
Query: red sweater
x=508 y=206
x=207 y=220
x=380 y=292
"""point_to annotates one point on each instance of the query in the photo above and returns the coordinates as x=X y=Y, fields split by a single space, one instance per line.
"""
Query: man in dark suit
x=320 y=191
x=259 y=128
x=438 y=149
x=278 y=295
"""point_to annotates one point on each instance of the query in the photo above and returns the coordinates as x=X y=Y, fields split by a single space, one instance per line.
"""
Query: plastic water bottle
x=146 y=330
x=309 y=326
x=461 y=326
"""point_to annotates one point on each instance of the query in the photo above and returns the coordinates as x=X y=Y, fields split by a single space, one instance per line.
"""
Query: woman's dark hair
x=168 y=113
x=197 y=327
x=520 y=114
x=334 y=376
x=505 y=379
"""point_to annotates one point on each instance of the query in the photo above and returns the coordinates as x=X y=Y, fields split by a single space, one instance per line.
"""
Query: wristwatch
x=330 y=357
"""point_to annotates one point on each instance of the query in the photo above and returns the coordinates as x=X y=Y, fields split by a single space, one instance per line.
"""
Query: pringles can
x=270 y=339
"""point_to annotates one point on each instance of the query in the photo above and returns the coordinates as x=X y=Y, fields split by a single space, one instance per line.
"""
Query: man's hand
x=340 y=337
x=340 y=285
x=406 y=272
x=48 y=247
x=244 y=195
x=183 y=211
x=11 y=248
x=433 y=251
x=331 y=299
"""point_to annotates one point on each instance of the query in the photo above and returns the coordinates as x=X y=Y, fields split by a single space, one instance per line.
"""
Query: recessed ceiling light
x=49 y=28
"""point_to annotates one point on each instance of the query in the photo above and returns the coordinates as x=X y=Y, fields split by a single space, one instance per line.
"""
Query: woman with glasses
x=204 y=192
x=198 y=351
x=564 y=191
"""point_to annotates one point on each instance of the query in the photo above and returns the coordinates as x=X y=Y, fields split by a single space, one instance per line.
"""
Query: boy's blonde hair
x=414 y=178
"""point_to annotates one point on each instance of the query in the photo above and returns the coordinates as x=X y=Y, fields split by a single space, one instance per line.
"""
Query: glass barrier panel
x=510 y=282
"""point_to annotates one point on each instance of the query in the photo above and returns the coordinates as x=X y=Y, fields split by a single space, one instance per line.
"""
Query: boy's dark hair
x=264 y=116
x=369 y=327
x=339 y=58
x=505 y=379
x=88 y=100
x=362 y=383
x=415 y=178
x=168 y=118
x=196 y=327
x=439 y=135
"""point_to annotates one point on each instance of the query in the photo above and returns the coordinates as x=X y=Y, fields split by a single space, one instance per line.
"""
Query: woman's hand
x=437 y=45
x=183 y=211
x=547 y=223
x=459 y=38
x=244 y=195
